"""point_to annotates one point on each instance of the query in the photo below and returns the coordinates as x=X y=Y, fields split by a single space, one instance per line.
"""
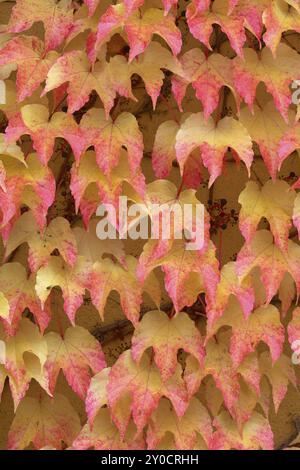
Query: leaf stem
x=58 y=105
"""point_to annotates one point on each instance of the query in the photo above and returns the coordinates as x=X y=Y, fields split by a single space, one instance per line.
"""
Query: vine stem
x=257 y=177
x=202 y=303
x=171 y=111
x=59 y=325
x=222 y=105
x=113 y=109
x=172 y=312
x=58 y=105
x=180 y=187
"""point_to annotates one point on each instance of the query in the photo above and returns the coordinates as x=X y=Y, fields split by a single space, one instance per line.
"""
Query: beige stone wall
x=228 y=186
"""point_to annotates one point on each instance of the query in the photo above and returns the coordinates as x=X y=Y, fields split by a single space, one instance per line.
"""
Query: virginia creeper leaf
x=208 y=75
x=276 y=73
x=57 y=235
x=139 y=29
x=144 y=384
x=96 y=396
x=195 y=420
x=257 y=434
x=201 y=25
x=72 y=281
x=109 y=136
x=44 y=421
x=166 y=336
x=105 y=435
x=279 y=17
x=75 y=353
x=57 y=18
x=273 y=262
x=33 y=66
x=273 y=201
x=213 y=141
x=262 y=325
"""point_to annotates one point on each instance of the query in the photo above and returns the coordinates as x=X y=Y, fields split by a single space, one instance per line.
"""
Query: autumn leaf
x=219 y=365
x=277 y=73
x=33 y=65
x=12 y=182
x=75 y=68
x=89 y=203
x=109 y=136
x=75 y=353
x=176 y=213
x=150 y=66
x=208 y=75
x=57 y=235
x=12 y=106
x=93 y=248
x=29 y=183
x=44 y=421
x=252 y=13
x=107 y=276
x=166 y=335
x=92 y=5
x=96 y=396
x=243 y=408
x=72 y=281
x=105 y=435
x=139 y=29
x=257 y=434
x=263 y=324
x=33 y=185
x=273 y=262
x=286 y=293
x=213 y=141
x=19 y=294
x=57 y=19
x=44 y=129
x=289 y=142
x=195 y=420
x=144 y=385
x=88 y=176
x=164 y=153
x=279 y=17
x=202 y=5
x=280 y=375
x=294 y=4
x=274 y=201
x=201 y=25
x=83 y=22
x=25 y=357
x=213 y=397
x=8 y=151
x=228 y=286
x=187 y=272
x=7 y=69
x=10 y=201
x=267 y=128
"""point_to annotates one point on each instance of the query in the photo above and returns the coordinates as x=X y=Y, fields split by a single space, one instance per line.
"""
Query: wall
x=228 y=241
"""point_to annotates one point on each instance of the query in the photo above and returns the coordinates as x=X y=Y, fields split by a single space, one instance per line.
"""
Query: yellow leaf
x=44 y=421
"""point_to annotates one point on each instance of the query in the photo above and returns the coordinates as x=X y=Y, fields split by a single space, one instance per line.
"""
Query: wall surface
x=228 y=240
